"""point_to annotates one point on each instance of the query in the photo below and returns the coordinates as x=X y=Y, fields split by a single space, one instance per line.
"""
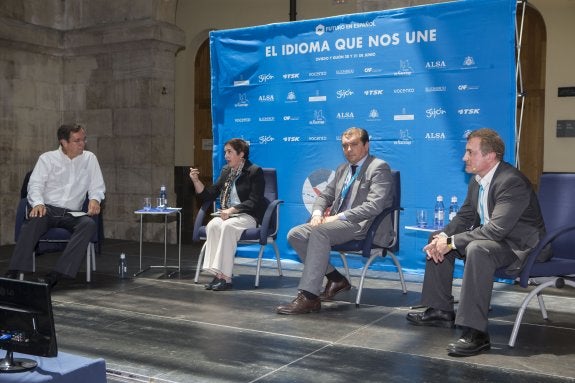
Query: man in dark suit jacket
x=361 y=189
x=498 y=225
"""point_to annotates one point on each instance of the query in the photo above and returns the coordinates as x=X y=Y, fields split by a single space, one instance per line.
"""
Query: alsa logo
x=266 y=98
x=343 y=93
x=345 y=116
x=439 y=64
x=435 y=136
x=468 y=111
x=265 y=77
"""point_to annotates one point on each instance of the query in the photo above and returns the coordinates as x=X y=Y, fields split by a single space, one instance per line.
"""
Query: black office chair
x=264 y=234
x=558 y=208
x=370 y=250
x=58 y=236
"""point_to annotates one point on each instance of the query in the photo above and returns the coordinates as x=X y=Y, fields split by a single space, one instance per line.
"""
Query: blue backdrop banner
x=418 y=79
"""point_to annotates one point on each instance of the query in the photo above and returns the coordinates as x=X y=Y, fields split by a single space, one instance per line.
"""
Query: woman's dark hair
x=239 y=146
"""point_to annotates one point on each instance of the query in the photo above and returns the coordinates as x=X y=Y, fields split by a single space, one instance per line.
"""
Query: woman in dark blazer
x=241 y=189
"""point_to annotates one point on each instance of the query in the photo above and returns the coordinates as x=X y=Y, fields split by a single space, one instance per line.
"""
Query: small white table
x=166 y=212
x=417 y=228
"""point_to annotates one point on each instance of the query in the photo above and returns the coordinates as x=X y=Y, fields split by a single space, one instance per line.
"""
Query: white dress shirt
x=60 y=181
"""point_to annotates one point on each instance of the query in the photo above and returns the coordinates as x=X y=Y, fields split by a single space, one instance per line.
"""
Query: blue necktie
x=481 y=218
x=345 y=192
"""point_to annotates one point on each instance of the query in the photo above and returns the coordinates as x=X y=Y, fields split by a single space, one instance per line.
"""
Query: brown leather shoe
x=300 y=305
x=333 y=288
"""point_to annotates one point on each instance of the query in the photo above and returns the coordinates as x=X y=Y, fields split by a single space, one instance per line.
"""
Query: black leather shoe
x=333 y=288
x=300 y=305
x=51 y=279
x=209 y=286
x=472 y=342
x=432 y=317
x=12 y=274
x=221 y=285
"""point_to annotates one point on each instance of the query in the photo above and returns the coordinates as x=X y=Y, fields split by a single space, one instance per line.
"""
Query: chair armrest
x=266 y=221
x=532 y=257
x=200 y=219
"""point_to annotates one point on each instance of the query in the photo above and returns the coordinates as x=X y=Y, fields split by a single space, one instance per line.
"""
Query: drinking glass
x=147 y=203
x=421 y=218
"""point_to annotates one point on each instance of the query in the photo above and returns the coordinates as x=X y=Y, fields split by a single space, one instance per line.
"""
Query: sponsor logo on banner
x=373 y=92
x=291 y=76
x=242 y=120
x=264 y=78
x=429 y=89
x=317 y=98
x=318 y=118
x=319 y=30
x=344 y=93
x=266 y=139
x=404 y=90
x=371 y=70
x=373 y=115
x=469 y=62
x=345 y=71
x=404 y=69
x=291 y=97
x=317 y=138
x=404 y=116
x=466 y=87
x=291 y=118
x=469 y=111
x=242 y=101
x=404 y=138
x=266 y=98
x=317 y=74
x=438 y=64
x=435 y=136
x=266 y=119
x=314 y=185
x=434 y=112
x=241 y=82
x=291 y=139
x=345 y=116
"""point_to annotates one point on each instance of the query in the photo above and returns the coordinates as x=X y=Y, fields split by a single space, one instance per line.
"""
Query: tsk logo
x=291 y=76
x=468 y=111
x=265 y=77
x=373 y=92
x=343 y=93
x=291 y=139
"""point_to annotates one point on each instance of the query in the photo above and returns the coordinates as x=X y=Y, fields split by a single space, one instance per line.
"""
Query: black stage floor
x=157 y=329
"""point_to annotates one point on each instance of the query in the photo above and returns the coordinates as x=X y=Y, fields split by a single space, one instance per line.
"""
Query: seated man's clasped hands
x=241 y=187
x=361 y=189
x=497 y=226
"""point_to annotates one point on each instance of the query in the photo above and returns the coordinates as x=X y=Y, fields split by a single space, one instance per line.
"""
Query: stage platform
x=153 y=328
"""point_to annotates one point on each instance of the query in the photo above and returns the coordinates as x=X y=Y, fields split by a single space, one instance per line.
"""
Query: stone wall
x=108 y=65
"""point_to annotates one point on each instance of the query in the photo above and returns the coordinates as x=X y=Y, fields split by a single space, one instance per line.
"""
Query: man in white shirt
x=58 y=185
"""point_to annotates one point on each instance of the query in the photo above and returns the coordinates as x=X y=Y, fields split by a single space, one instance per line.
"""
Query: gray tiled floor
x=152 y=328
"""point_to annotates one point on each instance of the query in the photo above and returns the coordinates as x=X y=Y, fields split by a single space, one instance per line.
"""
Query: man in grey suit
x=497 y=225
x=361 y=189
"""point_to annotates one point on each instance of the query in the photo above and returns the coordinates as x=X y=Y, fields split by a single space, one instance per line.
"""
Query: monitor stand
x=9 y=364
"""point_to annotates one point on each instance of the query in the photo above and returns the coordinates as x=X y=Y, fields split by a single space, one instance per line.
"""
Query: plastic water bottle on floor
x=439 y=213
x=123 y=267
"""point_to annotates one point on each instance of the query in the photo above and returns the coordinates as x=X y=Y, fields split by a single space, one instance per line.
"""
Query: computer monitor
x=26 y=323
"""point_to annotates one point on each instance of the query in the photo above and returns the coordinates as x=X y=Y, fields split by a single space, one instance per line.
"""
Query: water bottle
x=439 y=213
x=122 y=267
x=164 y=196
x=453 y=208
